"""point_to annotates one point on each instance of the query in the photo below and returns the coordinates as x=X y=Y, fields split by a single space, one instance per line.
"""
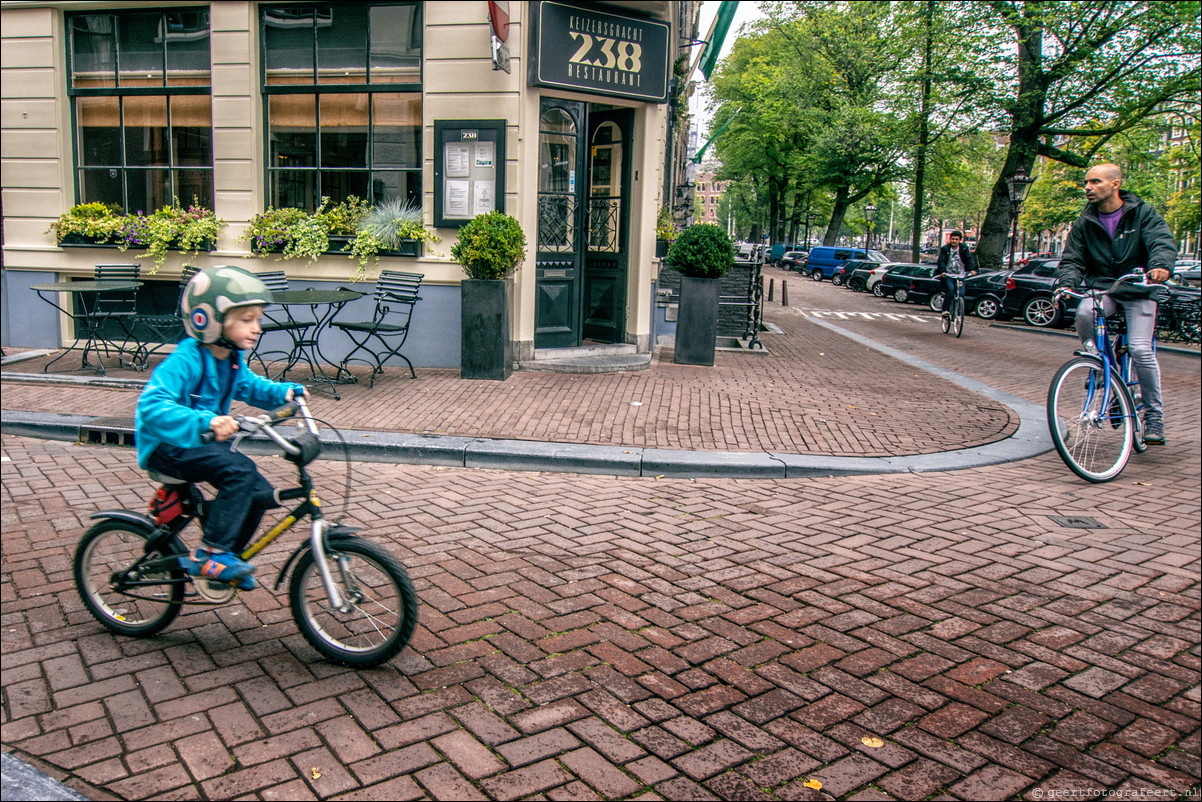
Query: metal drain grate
x=1076 y=522
x=108 y=431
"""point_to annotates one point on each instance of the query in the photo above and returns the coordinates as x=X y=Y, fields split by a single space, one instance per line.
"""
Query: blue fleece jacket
x=184 y=394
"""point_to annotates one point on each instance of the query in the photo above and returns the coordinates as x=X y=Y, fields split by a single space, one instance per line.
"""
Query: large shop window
x=142 y=107
x=342 y=87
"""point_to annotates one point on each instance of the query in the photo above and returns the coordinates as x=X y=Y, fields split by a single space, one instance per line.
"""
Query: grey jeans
x=1141 y=327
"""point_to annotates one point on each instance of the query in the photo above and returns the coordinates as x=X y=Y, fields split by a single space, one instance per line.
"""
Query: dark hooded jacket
x=1142 y=239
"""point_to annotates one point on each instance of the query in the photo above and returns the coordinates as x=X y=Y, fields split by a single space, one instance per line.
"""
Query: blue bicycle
x=1094 y=401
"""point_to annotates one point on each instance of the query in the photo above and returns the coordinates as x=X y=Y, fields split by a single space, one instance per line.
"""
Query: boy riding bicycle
x=189 y=395
x=1115 y=233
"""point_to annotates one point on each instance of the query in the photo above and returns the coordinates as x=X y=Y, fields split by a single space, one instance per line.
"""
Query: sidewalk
x=817 y=401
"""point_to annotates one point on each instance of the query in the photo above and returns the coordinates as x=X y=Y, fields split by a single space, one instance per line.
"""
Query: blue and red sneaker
x=222 y=566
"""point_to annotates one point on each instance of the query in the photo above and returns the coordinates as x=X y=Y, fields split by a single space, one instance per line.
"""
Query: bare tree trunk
x=838 y=211
x=924 y=133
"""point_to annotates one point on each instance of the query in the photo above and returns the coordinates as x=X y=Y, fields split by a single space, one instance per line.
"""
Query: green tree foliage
x=1063 y=66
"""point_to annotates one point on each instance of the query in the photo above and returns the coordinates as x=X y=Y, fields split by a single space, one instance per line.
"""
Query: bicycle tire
x=958 y=318
x=1093 y=443
x=945 y=322
x=380 y=621
x=114 y=546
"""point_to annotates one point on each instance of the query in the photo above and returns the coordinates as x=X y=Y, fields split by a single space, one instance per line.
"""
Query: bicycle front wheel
x=378 y=592
x=958 y=317
x=1093 y=431
x=126 y=589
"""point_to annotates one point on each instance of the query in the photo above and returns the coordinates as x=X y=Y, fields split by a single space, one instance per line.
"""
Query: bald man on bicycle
x=1116 y=233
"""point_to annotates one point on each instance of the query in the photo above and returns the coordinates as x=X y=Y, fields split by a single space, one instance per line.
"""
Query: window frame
x=316 y=90
x=166 y=90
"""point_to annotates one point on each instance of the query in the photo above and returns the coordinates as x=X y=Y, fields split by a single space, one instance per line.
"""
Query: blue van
x=823 y=260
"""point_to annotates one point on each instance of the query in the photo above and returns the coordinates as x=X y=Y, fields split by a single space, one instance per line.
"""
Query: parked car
x=872 y=282
x=843 y=273
x=793 y=260
x=823 y=260
x=984 y=294
x=909 y=283
x=778 y=253
x=1029 y=295
x=1031 y=257
x=1186 y=273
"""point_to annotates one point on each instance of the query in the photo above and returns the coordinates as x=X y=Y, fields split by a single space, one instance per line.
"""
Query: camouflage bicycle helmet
x=214 y=291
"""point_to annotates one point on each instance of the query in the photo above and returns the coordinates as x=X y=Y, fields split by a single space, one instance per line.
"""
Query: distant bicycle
x=1094 y=400
x=952 y=320
x=351 y=599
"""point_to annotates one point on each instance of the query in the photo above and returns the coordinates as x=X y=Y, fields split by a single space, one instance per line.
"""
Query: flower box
x=84 y=241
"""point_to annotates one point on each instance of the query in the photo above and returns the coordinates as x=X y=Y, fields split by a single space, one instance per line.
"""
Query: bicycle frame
x=1112 y=363
x=310 y=507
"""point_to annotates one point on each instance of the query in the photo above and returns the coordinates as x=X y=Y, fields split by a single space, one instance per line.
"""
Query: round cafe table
x=88 y=321
x=324 y=306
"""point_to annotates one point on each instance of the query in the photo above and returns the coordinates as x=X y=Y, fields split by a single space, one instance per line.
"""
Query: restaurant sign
x=598 y=52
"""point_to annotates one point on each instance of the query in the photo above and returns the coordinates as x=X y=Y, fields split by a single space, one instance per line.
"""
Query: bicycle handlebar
x=1137 y=273
x=265 y=423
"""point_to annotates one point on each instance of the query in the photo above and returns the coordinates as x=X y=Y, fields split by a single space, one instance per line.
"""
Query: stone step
x=616 y=358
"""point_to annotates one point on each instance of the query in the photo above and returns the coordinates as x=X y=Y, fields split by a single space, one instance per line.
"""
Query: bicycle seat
x=164 y=479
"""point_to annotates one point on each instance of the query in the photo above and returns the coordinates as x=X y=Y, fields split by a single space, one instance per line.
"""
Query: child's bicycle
x=1094 y=400
x=351 y=599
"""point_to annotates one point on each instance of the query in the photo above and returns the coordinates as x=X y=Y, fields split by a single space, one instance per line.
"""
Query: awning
x=716 y=36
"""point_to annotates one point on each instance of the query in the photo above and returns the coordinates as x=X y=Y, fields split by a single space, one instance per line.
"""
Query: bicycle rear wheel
x=1093 y=435
x=958 y=318
x=111 y=564
x=383 y=604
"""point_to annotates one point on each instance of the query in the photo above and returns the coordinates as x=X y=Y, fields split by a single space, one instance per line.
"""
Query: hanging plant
x=93 y=222
x=170 y=227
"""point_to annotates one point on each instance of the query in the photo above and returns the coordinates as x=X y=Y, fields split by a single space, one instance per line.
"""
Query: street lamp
x=809 y=221
x=870 y=218
x=1019 y=185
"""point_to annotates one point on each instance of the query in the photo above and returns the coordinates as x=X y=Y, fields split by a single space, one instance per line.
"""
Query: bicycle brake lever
x=237 y=440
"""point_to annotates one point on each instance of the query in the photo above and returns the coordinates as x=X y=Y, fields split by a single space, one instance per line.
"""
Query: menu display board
x=469 y=170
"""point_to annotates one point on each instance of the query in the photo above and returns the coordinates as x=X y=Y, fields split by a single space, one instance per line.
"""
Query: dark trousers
x=949 y=291
x=243 y=495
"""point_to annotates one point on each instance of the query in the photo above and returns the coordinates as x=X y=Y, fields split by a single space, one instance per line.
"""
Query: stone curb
x=1031 y=439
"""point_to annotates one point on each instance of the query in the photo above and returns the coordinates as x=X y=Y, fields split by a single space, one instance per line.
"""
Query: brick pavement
x=600 y=637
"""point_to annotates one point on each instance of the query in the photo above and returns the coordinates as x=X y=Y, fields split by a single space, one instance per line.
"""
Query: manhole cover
x=1076 y=522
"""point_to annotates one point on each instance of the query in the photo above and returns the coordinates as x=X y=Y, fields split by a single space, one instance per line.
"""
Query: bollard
x=784 y=292
x=771 y=286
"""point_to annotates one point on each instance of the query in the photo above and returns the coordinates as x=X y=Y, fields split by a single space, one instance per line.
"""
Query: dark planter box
x=407 y=247
x=486 y=352
x=697 y=322
x=661 y=248
x=81 y=241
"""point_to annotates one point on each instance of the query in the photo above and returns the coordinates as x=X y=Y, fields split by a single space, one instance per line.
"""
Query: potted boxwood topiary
x=702 y=255
x=489 y=248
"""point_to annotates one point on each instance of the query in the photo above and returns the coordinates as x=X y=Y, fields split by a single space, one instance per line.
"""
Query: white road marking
x=825 y=313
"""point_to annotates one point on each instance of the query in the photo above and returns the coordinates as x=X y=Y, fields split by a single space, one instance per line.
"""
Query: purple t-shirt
x=1111 y=220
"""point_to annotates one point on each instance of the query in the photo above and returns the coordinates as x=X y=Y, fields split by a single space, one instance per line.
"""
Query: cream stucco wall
x=458 y=83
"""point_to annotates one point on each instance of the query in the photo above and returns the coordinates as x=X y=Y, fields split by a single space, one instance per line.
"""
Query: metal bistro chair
x=396 y=295
x=119 y=306
x=279 y=319
x=164 y=329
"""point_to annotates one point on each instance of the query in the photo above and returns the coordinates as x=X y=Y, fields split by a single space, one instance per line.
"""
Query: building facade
x=561 y=115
